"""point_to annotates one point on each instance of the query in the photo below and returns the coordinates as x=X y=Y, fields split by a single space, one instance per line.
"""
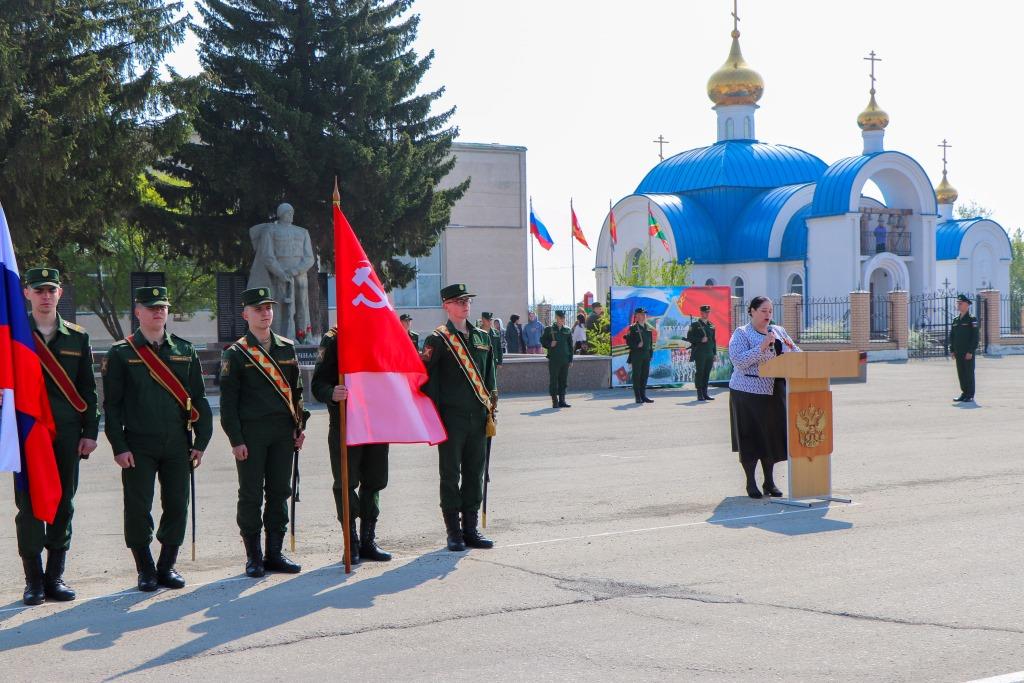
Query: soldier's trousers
x=641 y=369
x=463 y=454
x=965 y=373
x=34 y=534
x=558 y=377
x=367 y=477
x=266 y=473
x=166 y=459
x=702 y=372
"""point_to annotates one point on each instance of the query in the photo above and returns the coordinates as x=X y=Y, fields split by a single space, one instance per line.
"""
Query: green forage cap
x=257 y=296
x=456 y=291
x=42 y=277
x=151 y=296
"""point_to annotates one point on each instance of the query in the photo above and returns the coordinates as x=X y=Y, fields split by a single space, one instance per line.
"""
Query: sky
x=588 y=85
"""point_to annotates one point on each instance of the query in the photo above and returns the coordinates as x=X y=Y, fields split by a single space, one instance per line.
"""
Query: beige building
x=484 y=245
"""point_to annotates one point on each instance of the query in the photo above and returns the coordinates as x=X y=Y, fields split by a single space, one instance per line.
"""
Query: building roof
x=752 y=232
x=733 y=163
x=692 y=228
x=794 y=240
x=832 y=196
x=949 y=235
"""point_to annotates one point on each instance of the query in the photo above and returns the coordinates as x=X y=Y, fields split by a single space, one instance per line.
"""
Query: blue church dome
x=733 y=163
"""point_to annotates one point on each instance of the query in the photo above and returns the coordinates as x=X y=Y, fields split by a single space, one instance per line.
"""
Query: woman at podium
x=757 y=405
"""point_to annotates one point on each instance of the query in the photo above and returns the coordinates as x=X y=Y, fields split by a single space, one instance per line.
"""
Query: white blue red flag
x=27 y=429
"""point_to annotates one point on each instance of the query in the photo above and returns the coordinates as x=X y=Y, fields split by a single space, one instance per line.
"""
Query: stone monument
x=284 y=255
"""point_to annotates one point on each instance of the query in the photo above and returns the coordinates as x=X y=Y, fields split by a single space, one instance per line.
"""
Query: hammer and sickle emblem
x=362 y=277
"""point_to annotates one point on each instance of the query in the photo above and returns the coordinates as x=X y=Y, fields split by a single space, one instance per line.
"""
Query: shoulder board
x=333 y=332
x=73 y=326
x=123 y=342
x=180 y=339
x=286 y=340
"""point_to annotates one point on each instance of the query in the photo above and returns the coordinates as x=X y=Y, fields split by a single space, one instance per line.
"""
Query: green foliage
x=301 y=92
x=83 y=111
x=1017 y=264
x=972 y=209
x=648 y=271
x=599 y=338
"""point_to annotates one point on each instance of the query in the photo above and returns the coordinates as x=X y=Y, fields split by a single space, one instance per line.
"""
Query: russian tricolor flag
x=538 y=230
x=27 y=429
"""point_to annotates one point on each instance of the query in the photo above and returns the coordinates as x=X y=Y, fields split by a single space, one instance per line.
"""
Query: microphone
x=782 y=337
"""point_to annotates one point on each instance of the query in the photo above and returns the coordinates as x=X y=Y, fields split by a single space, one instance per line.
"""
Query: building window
x=737 y=287
x=748 y=126
x=425 y=289
x=796 y=284
x=710 y=282
x=634 y=260
x=729 y=129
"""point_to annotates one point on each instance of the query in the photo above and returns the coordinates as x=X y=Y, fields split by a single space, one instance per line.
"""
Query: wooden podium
x=809 y=419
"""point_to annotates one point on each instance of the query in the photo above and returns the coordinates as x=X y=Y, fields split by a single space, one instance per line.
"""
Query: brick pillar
x=738 y=314
x=992 y=313
x=899 y=318
x=792 y=314
x=544 y=314
x=860 y=319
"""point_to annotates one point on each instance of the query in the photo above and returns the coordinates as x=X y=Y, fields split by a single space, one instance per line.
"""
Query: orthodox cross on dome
x=661 y=142
x=735 y=17
x=945 y=145
x=872 y=58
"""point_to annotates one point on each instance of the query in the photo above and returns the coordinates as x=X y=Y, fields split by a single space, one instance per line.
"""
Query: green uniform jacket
x=963 y=334
x=562 y=351
x=413 y=337
x=640 y=333
x=71 y=347
x=134 y=403
x=325 y=374
x=447 y=386
x=245 y=392
x=698 y=330
x=499 y=357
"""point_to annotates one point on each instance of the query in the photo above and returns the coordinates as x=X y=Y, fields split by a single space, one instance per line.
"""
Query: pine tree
x=301 y=92
x=83 y=111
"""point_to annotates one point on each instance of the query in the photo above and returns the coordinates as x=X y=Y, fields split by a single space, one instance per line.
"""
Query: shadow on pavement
x=541 y=411
x=741 y=512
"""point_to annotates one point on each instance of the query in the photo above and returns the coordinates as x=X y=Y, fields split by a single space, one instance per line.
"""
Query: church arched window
x=737 y=287
x=729 y=134
x=710 y=282
x=795 y=284
x=634 y=260
x=748 y=132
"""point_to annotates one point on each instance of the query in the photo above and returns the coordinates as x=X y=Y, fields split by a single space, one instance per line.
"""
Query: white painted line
x=1015 y=677
x=670 y=526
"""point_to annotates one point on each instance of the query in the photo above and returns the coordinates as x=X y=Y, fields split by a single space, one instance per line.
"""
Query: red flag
x=718 y=297
x=383 y=371
x=613 y=228
x=577 y=231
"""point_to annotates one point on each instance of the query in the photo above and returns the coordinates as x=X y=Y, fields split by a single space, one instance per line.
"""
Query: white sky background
x=586 y=85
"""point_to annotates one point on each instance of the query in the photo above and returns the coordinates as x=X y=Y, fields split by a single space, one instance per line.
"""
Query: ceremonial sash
x=165 y=377
x=58 y=374
x=270 y=370
x=471 y=372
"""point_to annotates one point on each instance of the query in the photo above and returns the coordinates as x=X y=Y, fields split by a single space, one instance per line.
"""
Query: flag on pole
x=613 y=228
x=655 y=230
x=538 y=230
x=383 y=371
x=577 y=231
x=27 y=429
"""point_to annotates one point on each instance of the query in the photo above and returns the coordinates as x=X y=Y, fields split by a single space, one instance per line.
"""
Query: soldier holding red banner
x=66 y=356
x=154 y=401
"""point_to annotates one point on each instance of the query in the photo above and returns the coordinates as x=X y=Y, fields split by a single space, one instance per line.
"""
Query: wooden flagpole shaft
x=346 y=513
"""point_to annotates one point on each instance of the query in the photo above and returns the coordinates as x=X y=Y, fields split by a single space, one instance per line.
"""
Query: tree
x=1017 y=263
x=972 y=209
x=648 y=271
x=83 y=111
x=303 y=91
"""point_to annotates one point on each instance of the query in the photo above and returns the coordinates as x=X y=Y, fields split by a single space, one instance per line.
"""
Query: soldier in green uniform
x=487 y=325
x=148 y=428
x=71 y=387
x=367 y=464
x=406 y=321
x=557 y=339
x=701 y=336
x=963 y=345
x=460 y=366
x=262 y=414
x=640 y=340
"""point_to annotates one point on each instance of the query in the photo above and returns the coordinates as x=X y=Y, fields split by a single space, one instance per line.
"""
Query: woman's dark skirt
x=759 y=424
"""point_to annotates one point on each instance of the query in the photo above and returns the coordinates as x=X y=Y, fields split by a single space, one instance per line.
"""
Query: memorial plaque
x=230 y=325
x=66 y=305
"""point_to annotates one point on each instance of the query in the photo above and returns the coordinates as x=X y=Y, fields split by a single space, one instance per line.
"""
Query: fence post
x=992 y=313
x=899 y=318
x=737 y=311
x=792 y=305
x=860 y=319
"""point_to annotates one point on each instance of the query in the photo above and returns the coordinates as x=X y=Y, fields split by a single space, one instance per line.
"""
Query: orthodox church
x=771 y=219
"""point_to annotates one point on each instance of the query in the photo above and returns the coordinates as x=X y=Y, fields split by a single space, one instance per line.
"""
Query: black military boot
x=166 y=575
x=472 y=535
x=451 y=523
x=146 y=569
x=253 y=556
x=562 y=403
x=554 y=402
x=707 y=396
x=770 y=489
x=274 y=560
x=53 y=581
x=368 y=547
x=353 y=543
x=34 y=593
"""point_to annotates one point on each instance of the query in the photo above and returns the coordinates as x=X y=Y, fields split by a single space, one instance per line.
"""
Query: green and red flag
x=654 y=230
x=613 y=228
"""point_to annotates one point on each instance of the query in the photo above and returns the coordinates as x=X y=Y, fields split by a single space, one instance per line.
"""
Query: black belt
x=754 y=376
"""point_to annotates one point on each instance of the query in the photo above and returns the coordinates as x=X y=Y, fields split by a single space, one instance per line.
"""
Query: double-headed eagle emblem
x=811 y=423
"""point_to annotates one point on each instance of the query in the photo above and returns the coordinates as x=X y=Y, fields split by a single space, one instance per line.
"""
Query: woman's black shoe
x=772 y=490
x=753 y=492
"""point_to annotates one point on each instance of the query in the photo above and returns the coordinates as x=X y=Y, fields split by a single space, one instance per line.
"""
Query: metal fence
x=930 y=318
x=1010 y=314
x=881 y=317
x=826 y=320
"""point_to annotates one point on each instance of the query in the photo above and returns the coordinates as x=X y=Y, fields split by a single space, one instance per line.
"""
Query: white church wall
x=833 y=255
x=988 y=251
x=948 y=271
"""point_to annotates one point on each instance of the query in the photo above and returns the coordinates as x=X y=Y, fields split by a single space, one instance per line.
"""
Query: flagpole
x=346 y=513
x=572 y=246
x=612 y=278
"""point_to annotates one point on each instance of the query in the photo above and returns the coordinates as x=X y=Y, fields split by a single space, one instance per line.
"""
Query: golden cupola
x=735 y=82
x=945 y=193
x=873 y=117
